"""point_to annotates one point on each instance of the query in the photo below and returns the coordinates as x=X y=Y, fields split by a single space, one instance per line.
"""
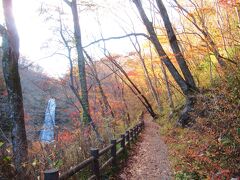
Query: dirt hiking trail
x=149 y=158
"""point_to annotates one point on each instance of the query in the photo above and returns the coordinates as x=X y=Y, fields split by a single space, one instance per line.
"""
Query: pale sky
x=34 y=32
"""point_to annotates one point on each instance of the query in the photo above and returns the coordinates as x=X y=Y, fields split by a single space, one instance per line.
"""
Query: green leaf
x=7 y=158
x=1 y=144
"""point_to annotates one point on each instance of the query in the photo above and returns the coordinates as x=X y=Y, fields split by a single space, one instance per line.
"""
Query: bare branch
x=117 y=37
x=2 y=30
x=69 y=3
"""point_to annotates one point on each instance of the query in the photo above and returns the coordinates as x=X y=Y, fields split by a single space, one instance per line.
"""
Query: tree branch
x=3 y=30
x=117 y=37
x=68 y=2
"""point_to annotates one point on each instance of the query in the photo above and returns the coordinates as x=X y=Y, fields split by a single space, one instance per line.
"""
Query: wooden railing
x=97 y=168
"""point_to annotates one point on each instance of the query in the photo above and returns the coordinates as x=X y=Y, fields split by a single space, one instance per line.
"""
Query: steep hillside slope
x=210 y=148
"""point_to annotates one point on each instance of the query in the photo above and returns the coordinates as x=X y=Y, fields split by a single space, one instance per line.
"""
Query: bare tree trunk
x=10 y=45
x=169 y=93
x=174 y=45
x=238 y=12
x=127 y=119
x=75 y=91
x=155 y=79
x=187 y=90
x=81 y=59
x=210 y=70
x=107 y=107
x=136 y=91
x=149 y=81
x=120 y=87
x=150 y=84
x=139 y=93
x=219 y=16
x=162 y=55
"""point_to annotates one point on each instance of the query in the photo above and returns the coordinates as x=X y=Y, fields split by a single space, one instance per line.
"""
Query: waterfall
x=47 y=132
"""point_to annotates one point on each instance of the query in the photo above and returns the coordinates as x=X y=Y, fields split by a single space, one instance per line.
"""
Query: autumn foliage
x=210 y=148
x=120 y=86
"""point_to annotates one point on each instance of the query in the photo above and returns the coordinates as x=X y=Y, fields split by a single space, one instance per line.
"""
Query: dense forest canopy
x=105 y=63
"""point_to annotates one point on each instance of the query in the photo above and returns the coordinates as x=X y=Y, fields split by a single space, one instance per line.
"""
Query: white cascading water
x=47 y=133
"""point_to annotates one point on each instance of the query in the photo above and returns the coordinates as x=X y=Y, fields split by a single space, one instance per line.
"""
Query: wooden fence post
x=127 y=138
x=138 y=129
x=51 y=174
x=131 y=134
x=114 y=153
x=135 y=133
x=123 y=143
x=95 y=166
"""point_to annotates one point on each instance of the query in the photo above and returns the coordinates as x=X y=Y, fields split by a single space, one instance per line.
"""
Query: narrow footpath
x=149 y=158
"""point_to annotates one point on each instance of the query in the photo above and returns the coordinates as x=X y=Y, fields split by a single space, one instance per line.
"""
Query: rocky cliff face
x=37 y=89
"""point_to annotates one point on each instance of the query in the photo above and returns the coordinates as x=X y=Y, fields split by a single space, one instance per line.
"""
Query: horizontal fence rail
x=97 y=169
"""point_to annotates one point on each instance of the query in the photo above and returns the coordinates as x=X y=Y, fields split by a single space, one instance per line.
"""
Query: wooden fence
x=97 y=168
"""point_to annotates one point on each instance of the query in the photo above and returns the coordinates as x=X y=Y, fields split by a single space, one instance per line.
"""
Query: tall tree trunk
x=161 y=53
x=10 y=45
x=87 y=119
x=139 y=93
x=187 y=90
x=127 y=119
x=106 y=104
x=81 y=59
x=220 y=26
x=174 y=45
x=169 y=93
x=150 y=85
x=136 y=91
x=147 y=76
x=238 y=12
x=156 y=81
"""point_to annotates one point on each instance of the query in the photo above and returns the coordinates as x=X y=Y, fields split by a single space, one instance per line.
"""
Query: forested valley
x=171 y=64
